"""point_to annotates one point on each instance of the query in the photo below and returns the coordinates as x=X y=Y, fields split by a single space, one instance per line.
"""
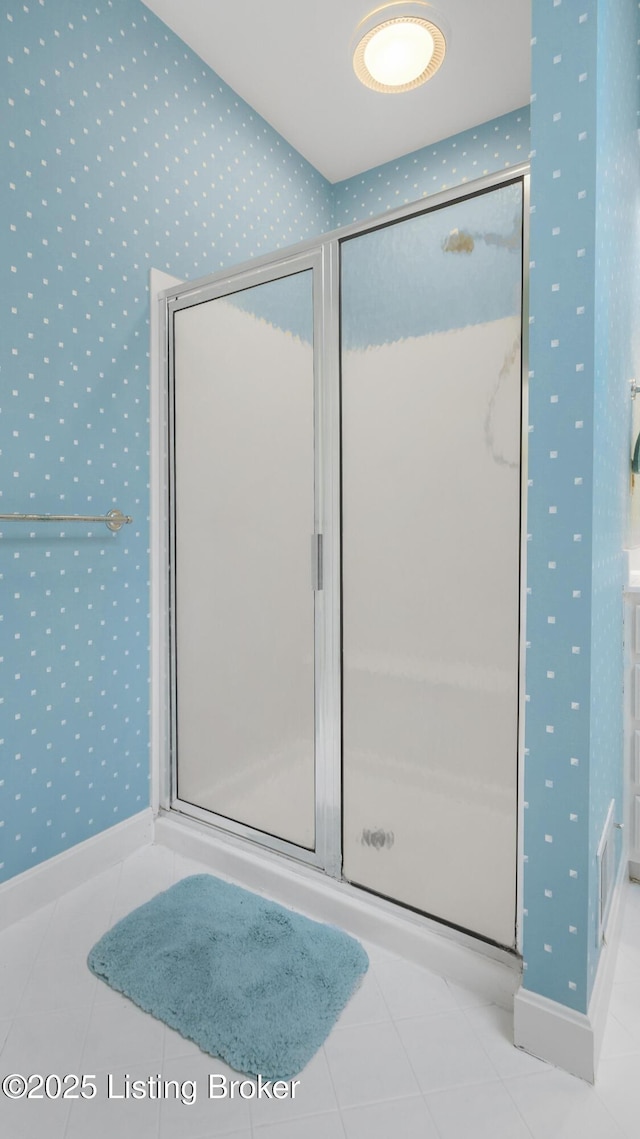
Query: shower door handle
x=316 y=562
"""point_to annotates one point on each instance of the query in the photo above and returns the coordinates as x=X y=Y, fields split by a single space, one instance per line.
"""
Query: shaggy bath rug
x=248 y=980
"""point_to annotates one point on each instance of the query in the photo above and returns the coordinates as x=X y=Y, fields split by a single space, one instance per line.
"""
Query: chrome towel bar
x=113 y=519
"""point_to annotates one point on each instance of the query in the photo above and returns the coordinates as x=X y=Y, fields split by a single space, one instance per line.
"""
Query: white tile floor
x=412 y=1057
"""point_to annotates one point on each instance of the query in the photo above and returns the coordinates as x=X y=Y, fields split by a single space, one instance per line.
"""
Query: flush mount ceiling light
x=398 y=48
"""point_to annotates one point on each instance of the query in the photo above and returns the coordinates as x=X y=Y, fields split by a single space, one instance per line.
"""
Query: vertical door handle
x=316 y=562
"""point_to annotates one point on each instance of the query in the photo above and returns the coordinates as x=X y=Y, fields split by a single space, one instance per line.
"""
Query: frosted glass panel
x=244 y=491
x=431 y=377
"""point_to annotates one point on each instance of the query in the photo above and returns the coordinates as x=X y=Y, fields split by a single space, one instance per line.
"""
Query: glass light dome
x=399 y=54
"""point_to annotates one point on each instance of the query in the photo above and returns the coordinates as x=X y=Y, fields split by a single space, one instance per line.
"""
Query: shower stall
x=345 y=492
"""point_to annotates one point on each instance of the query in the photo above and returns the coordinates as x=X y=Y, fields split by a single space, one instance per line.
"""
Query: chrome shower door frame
x=319 y=260
x=323 y=256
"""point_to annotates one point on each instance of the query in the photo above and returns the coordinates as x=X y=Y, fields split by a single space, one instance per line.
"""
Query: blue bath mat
x=248 y=980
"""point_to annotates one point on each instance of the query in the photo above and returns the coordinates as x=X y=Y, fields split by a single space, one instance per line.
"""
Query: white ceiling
x=291 y=60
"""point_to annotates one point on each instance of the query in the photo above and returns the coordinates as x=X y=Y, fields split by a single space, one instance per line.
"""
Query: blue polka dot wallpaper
x=486 y=149
x=617 y=360
x=122 y=151
x=585 y=185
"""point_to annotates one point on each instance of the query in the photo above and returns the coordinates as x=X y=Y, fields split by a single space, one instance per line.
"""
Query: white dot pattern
x=617 y=359
x=121 y=151
x=494 y=146
x=584 y=252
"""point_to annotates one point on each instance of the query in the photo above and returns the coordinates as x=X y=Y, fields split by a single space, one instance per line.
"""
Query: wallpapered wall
x=617 y=359
x=584 y=226
x=124 y=151
x=563 y=139
x=583 y=284
x=494 y=146
x=121 y=151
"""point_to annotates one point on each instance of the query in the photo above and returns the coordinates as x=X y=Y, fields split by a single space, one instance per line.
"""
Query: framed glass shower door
x=354 y=701
x=245 y=505
x=431 y=436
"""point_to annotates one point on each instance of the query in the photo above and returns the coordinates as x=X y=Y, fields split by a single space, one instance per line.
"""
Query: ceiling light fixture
x=398 y=48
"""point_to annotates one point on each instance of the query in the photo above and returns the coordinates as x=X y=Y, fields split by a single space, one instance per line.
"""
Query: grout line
x=467 y=1084
x=505 y=1083
x=480 y=1040
x=162 y=1069
x=260 y=1127
x=45 y=927
x=255 y=1129
x=95 y=991
x=392 y=1022
x=333 y=1086
x=463 y=1008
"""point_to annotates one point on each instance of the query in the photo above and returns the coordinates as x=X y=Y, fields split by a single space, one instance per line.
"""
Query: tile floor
x=412 y=1057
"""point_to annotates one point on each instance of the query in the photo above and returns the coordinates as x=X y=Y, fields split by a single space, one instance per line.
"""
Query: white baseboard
x=484 y=969
x=22 y=895
x=554 y=1033
x=568 y=1039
